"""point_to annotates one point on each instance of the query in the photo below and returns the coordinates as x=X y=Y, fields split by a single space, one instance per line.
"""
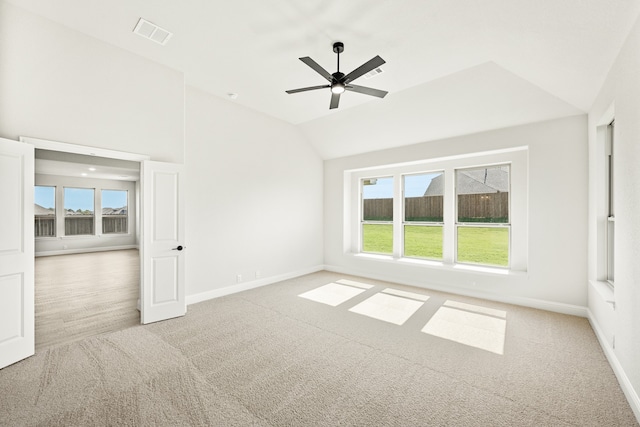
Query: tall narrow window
x=482 y=202
x=377 y=215
x=114 y=211
x=611 y=223
x=78 y=211
x=423 y=215
x=45 y=211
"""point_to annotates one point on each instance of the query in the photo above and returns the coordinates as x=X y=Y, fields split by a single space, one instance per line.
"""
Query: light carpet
x=268 y=357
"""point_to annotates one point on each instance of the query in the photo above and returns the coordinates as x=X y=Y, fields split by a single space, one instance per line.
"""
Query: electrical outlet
x=239 y=278
x=258 y=274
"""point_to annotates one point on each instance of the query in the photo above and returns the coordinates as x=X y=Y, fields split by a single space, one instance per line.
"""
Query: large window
x=482 y=223
x=466 y=211
x=45 y=211
x=423 y=215
x=79 y=211
x=114 y=211
x=377 y=215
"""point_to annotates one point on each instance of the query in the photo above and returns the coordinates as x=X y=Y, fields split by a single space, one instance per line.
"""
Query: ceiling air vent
x=151 y=31
x=373 y=73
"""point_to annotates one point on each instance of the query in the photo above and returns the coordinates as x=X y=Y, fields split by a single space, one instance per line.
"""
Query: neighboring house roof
x=114 y=211
x=474 y=181
x=39 y=210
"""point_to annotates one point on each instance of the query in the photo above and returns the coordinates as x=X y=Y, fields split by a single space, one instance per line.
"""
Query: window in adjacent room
x=482 y=223
x=44 y=211
x=423 y=215
x=609 y=196
x=114 y=212
x=377 y=215
x=79 y=208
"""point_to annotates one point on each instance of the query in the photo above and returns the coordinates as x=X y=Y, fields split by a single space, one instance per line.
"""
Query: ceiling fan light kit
x=339 y=82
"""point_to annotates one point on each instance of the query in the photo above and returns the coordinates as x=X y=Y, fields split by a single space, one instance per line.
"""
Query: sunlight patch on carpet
x=471 y=325
x=389 y=308
x=332 y=294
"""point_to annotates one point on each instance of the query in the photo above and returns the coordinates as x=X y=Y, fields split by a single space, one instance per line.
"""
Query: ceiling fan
x=340 y=82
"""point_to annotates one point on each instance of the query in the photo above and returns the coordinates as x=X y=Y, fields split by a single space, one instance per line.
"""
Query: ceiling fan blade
x=364 y=69
x=335 y=100
x=304 y=89
x=367 y=90
x=313 y=64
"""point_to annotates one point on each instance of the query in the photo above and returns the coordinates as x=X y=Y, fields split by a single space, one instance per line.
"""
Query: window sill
x=485 y=270
x=605 y=291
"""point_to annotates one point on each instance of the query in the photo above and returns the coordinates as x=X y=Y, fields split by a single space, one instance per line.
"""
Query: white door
x=163 y=251
x=17 y=327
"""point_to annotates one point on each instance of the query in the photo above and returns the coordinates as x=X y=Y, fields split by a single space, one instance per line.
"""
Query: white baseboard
x=556 y=307
x=228 y=290
x=85 y=250
x=623 y=379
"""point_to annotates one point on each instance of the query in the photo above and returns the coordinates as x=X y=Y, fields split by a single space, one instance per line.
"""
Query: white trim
x=556 y=307
x=228 y=290
x=85 y=250
x=83 y=149
x=618 y=370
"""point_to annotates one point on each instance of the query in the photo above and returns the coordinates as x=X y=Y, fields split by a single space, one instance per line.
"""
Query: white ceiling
x=463 y=66
x=81 y=166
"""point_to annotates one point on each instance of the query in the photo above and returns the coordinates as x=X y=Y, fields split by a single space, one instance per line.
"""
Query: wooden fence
x=470 y=206
x=45 y=225
x=78 y=225
x=114 y=224
x=491 y=205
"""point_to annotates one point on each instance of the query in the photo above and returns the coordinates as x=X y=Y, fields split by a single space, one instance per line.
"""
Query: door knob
x=179 y=248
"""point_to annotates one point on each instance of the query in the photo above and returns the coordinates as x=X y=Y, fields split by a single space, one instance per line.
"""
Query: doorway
x=87 y=265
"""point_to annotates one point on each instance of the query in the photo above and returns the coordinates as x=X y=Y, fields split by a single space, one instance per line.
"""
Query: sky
x=415 y=186
x=79 y=198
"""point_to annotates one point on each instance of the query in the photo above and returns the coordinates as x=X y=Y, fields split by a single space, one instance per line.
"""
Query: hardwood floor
x=82 y=295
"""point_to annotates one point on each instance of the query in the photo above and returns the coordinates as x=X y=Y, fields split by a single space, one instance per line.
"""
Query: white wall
x=74 y=244
x=254 y=198
x=622 y=90
x=61 y=85
x=557 y=201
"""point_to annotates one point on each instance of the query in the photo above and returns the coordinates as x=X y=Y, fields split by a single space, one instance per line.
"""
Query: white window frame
x=506 y=225
x=419 y=223
x=361 y=214
x=516 y=157
x=55 y=212
x=64 y=209
x=102 y=216
x=609 y=200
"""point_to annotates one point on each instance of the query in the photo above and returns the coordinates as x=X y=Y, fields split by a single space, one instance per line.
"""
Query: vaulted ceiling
x=453 y=67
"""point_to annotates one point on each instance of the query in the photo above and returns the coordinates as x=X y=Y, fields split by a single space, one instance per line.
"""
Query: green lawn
x=423 y=241
x=481 y=245
x=478 y=245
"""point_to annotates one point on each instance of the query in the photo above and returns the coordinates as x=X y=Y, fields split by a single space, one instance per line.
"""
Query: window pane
x=114 y=211
x=45 y=211
x=423 y=241
x=377 y=238
x=78 y=211
x=377 y=203
x=483 y=194
x=484 y=245
x=423 y=197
